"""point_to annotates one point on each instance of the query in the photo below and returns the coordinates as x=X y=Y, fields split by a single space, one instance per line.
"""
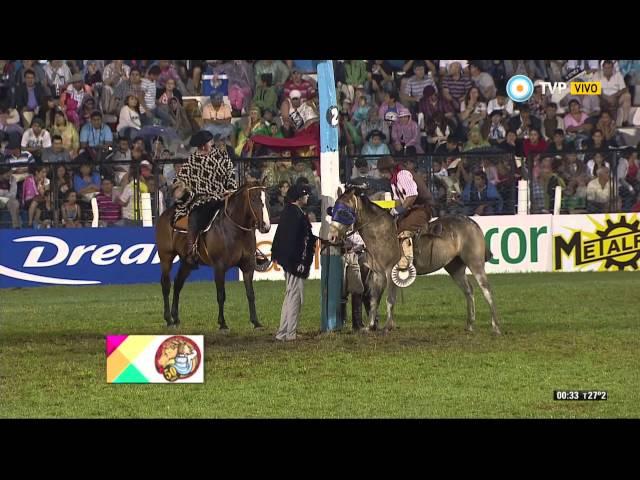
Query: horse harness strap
x=253 y=213
x=181 y=226
x=361 y=226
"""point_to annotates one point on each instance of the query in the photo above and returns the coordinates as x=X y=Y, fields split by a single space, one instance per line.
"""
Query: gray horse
x=453 y=242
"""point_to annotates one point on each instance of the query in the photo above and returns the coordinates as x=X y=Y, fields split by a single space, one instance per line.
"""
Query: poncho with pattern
x=207 y=176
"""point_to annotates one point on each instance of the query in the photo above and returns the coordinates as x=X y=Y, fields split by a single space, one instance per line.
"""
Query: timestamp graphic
x=577 y=395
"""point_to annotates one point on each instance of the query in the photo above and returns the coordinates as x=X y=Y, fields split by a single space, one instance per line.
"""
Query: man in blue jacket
x=293 y=249
x=481 y=197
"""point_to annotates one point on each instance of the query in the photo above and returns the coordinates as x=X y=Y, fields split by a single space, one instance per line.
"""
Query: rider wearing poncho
x=206 y=177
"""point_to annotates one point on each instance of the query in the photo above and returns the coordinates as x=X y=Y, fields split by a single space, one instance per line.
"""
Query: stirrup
x=263 y=263
x=403 y=278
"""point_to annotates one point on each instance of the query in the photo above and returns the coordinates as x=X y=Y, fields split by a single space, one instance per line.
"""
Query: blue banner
x=85 y=256
x=329 y=111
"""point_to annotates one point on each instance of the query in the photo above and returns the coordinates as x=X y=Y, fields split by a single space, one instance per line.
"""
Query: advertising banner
x=604 y=242
x=519 y=243
x=84 y=256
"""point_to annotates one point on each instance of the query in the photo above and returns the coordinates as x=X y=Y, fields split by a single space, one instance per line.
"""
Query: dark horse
x=457 y=242
x=231 y=241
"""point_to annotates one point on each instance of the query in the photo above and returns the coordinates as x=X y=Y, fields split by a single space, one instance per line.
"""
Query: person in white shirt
x=598 y=192
x=482 y=80
x=501 y=102
x=8 y=195
x=36 y=138
x=130 y=122
x=444 y=65
x=615 y=96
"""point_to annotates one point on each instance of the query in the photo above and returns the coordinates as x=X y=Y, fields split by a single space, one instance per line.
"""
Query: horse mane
x=359 y=190
x=244 y=187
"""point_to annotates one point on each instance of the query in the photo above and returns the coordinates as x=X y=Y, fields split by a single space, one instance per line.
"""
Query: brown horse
x=231 y=241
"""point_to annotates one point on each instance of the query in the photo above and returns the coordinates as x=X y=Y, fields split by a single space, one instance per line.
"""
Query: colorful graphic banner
x=603 y=242
x=155 y=358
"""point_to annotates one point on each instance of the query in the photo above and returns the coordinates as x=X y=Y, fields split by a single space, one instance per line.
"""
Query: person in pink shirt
x=576 y=125
x=405 y=133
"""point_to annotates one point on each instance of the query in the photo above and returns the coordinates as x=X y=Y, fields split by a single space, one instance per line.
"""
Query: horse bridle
x=253 y=213
x=352 y=212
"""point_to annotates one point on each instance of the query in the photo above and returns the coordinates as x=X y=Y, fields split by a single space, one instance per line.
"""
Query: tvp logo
x=520 y=88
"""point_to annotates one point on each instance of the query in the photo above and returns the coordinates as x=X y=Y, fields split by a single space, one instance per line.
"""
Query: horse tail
x=487 y=254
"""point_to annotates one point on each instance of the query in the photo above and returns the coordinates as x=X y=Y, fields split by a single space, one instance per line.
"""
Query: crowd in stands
x=66 y=125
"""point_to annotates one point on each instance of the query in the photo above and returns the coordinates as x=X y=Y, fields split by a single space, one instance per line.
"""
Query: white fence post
x=523 y=197
x=558 y=200
x=147 y=218
x=94 y=210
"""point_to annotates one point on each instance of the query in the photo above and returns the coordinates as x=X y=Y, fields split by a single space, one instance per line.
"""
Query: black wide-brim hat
x=201 y=138
x=296 y=192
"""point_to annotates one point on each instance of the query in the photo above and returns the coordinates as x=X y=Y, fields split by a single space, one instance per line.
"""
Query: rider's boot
x=192 y=253
x=406 y=243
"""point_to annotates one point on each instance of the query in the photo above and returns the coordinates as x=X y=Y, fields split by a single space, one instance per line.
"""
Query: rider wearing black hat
x=205 y=178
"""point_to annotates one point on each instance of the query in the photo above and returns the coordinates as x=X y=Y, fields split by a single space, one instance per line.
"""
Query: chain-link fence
x=590 y=181
x=469 y=183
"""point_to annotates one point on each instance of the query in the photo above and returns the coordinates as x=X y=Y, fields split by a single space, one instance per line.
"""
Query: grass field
x=561 y=331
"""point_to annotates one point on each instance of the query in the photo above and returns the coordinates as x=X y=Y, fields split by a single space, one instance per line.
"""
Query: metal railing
x=573 y=171
x=274 y=172
x=474 y=182
x=482 y=183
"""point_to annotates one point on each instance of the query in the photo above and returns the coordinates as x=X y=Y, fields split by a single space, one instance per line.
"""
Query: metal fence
x=470 y=183
x=591 y=181
x=483 y=183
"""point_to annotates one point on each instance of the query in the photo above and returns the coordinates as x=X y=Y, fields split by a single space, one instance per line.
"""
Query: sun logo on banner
x=519 y=88
x=616 y=245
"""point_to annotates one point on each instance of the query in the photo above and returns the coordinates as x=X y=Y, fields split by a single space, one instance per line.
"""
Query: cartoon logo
x=615 y=245
x=519 y=88
x=178 y=358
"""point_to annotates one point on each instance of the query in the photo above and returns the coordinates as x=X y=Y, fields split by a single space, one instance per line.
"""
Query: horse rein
x=355 y=197
x=253 y=213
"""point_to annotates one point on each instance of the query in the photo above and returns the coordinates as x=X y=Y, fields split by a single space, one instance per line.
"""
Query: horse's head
x=252 y=197
x=344 y=212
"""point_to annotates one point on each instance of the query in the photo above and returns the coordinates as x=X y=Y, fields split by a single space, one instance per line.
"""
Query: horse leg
x=221 y=296
x=457 y=269
x=391 y=302
x=375 y=293
x=165 y=281
x=247 y=276
x=477 y=268
x=178 y=283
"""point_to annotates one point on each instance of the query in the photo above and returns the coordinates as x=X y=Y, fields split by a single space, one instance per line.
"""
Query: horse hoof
x=172 y=326
x=258 y=326
x=469 y=329
x=496 y=331
x=223 y=329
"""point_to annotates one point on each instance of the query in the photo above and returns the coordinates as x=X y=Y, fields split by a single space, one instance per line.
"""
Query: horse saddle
x=434 y=229
x=182 y=224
